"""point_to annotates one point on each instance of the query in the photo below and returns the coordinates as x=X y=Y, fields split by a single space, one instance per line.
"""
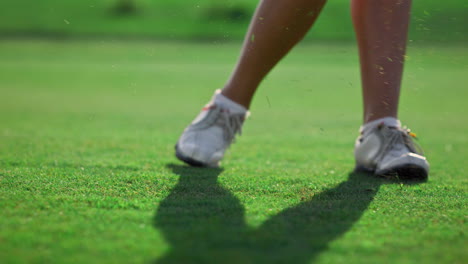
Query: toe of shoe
x=196 y=156
x=408 y=166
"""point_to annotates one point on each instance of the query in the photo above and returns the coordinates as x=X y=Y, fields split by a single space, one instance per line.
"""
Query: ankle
x=239 y=94
x=388 y=121
x=226 y=102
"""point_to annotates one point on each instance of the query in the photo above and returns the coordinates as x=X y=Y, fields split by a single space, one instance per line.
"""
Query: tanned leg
x=276 y=27
x=381 y=28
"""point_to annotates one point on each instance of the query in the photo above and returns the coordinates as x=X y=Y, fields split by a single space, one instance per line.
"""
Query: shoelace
x=232 y=125
x=400 y=136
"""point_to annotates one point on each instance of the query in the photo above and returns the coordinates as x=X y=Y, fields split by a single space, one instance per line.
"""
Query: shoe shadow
x=200 y=219
x=205 y=223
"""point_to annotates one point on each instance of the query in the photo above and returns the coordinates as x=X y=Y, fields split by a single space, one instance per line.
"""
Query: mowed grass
x=87 y=172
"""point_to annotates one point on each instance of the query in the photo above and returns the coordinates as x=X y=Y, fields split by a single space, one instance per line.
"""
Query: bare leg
x=381 y=28
x=276 y=27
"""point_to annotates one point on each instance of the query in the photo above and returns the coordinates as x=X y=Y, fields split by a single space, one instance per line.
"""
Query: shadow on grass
x=204 y=223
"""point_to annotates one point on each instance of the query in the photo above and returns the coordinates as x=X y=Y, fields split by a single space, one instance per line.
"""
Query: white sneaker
x=390 y=151
x=204 y=142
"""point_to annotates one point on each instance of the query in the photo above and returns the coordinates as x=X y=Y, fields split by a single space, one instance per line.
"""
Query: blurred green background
x=202 y=19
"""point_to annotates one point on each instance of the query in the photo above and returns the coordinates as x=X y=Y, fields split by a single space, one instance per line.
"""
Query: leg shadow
x=204 y=223
x=299 y=234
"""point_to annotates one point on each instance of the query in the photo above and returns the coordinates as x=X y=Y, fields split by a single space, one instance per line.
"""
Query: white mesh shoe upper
x=210 y=134
x=384 y=148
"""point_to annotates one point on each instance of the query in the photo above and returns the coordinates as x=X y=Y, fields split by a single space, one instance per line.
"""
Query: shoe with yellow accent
x=390 y=151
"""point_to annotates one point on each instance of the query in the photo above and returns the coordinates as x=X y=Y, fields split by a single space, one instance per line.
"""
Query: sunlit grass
x=87 y=172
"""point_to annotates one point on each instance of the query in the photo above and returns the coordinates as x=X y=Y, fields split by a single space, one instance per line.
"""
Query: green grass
x=87 y=173
x=205 y=19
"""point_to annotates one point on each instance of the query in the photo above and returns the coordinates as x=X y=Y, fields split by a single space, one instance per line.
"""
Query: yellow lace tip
x=412 y=134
